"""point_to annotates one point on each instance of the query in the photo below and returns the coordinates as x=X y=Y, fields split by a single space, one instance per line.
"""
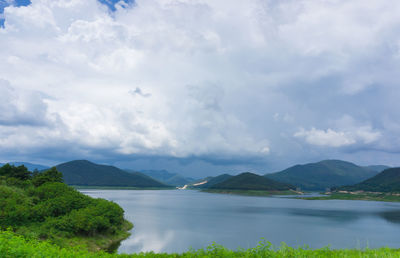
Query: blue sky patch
x=4 y=3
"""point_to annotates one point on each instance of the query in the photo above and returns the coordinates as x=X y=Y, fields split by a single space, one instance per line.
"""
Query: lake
x=175 y=220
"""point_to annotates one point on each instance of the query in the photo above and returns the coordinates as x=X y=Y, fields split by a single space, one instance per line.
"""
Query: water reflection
x=391 y=216
x=174 y=221
x=148 y=241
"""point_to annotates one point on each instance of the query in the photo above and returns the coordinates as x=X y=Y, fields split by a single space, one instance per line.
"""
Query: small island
x=244 y=184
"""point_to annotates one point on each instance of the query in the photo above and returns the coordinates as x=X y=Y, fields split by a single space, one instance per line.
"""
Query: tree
x=51 y=175
x=20 y=172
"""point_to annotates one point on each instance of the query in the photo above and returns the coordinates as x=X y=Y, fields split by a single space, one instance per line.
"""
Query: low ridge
x=250 y=181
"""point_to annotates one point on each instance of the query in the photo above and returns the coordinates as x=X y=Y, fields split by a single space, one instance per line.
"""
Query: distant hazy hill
x=211 y=181
x=324 y=174
x=377 y=168
x=28 y=165
x=83 y=172
x=386 y=181
x=167 y=178
x=250 y=181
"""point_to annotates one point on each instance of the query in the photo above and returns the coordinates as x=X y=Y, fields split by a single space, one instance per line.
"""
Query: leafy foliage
x=51 y=175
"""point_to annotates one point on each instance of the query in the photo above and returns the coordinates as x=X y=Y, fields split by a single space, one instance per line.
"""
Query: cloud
x=226 y=80
x=326 y=138
x=138 y=91
x=21 y=108
x=332 y=138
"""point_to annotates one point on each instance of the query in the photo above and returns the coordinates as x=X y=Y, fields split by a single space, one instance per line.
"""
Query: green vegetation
x=39 y=206
x=29 y=166
x=325 y=174
x=86 y=173
x=250 y=181
x=386 y=181
x=384 y=197
x=12 y=245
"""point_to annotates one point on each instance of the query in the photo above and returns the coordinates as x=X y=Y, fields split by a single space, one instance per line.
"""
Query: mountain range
x=166 y=177
x=312 y=176
x=325 y=174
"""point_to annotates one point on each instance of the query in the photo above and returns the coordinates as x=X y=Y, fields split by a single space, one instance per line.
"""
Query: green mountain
x=250 y=181
x=323 y=174
x=386 y=181
x=83 y=172
x=167 y=178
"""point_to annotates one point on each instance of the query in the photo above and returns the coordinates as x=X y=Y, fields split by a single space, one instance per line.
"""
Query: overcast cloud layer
x=251 y=84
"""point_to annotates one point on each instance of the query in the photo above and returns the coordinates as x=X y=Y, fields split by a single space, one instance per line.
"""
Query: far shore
x=357 y=195
x=81 y=187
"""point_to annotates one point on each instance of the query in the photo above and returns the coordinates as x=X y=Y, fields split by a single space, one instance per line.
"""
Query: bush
x=100 y=217
x=57 y=199
x=15 y=207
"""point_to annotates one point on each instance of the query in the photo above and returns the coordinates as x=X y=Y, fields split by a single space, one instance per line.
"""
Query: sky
x=200 y=87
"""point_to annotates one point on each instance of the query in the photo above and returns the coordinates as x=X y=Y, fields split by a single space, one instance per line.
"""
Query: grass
x=249 y=192
x=13 y=245
x=105 y=242
x=357 y=196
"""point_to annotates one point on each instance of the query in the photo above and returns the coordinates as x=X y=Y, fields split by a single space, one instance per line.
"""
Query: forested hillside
x=86 y=173
x=324 y=174
x=386 y=181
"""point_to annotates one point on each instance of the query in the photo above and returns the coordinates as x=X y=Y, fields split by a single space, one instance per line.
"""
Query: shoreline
x=361 y=196
x=249 y=192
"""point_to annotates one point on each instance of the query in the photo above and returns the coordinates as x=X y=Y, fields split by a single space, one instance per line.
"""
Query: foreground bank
x=13 y=245
x=40 y=206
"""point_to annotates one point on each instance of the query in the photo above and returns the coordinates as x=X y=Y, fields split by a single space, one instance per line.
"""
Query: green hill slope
x=377 y=168
x=386 y=181
x=250 y=181
x=83 y=172
x=211 y=181
x=323 y=174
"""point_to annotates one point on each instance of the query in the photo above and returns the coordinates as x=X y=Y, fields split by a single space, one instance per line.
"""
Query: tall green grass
x=13 y=245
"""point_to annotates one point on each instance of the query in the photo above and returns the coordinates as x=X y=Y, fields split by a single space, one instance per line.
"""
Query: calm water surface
x=174 y=220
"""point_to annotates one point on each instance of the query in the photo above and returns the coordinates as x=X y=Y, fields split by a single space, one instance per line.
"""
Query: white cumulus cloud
x=192 y=78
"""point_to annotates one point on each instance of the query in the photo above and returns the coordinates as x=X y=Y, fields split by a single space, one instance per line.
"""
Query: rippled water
x=174 y=220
